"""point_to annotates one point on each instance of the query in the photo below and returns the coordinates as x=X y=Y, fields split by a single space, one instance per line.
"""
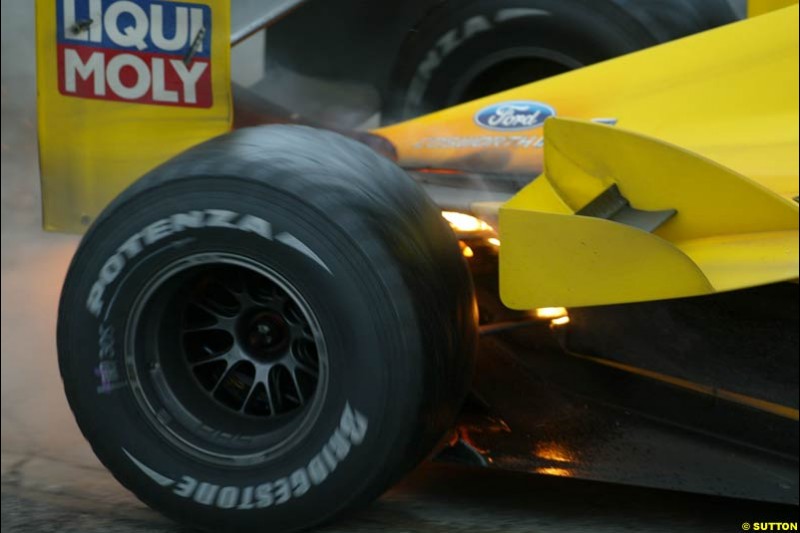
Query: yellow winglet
x=728 y=232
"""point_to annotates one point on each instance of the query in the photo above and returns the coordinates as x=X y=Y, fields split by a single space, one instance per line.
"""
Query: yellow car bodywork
x=706 y=126
x=90 y=149
x=728 y=231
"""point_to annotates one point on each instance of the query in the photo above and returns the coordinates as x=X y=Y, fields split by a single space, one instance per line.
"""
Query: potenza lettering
x=209 y=218
x=177 y=223
x=142 y=51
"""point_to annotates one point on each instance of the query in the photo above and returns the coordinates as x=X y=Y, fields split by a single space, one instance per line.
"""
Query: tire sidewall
x=451 y=43
x=357 y=404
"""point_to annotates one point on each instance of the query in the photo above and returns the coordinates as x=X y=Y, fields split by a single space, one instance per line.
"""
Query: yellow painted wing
x=727 y=231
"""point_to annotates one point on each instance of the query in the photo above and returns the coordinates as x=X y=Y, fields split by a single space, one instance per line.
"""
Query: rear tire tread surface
x=380 y=237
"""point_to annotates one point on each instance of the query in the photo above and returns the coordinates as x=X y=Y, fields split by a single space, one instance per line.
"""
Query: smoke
x=336 y=105
x=35 y=416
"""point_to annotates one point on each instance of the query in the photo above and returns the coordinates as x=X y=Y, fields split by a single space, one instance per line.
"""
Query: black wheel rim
x=226 y=358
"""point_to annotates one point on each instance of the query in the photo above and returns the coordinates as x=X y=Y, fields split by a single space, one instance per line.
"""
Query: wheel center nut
x=266 y=335
x=262 y=334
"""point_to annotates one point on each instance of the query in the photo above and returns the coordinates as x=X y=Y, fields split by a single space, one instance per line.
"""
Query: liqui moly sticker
x=142 y=51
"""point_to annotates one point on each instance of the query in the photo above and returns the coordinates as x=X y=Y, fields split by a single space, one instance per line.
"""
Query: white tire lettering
x=176 y=223
x=185 y=486
x=300 y=482
x=94 y=303
x=220 y=218
x=511 y=13
x=247 y=499
x=132 y=246
x=158 y=477
x=282 y=491
x=205 y=493
x=352 y=430
x=330 y=460
x=290 y=240
x=112 y=268
x=448 y=42
x=353 y=424
x=317 y=470
x=475 y=25
x=228 y=497
x=259 y=226
x=157 y=231
x=192 y=219
x=264 y=495
x=339 y=444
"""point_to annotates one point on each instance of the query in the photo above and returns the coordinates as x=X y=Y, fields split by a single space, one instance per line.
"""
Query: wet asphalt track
x=52 y=482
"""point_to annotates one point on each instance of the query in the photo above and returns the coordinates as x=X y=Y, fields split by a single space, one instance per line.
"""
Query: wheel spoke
x=310 y=370
x=262 y=377
x=300 y=395
x=231 y=357
x=275 y=382
x=221 y=322
x=195 y=329
x=301 y=332
x=293 y=314
x=262 y=291
x=303 y=361
x=250 y=394
x=245 y=336
x=212 y=308
x=242 y=292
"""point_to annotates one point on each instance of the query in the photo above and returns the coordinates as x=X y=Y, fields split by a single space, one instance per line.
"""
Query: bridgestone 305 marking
x=351 y=432
x=177 y=223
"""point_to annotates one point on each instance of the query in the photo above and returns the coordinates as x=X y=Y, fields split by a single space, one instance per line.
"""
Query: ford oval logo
x=513 y=116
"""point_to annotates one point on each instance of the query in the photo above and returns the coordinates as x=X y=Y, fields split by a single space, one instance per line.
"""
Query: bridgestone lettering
x=351 y=432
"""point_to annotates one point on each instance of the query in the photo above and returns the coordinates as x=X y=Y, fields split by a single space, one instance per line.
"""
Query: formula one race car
x=269 y=326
